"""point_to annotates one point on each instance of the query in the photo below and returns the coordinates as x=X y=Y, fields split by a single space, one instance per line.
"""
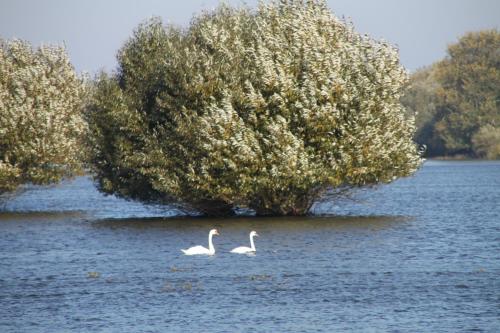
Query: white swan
x=246 y=249
x=203 y=250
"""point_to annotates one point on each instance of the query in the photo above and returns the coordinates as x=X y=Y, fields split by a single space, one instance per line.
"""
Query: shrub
x=264 y=109
x=41 y=124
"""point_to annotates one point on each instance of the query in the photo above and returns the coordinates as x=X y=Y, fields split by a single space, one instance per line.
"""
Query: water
x=421 y=254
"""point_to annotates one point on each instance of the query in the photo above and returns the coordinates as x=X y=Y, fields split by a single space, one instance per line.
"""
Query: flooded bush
x=41 y=124
x=263 y=109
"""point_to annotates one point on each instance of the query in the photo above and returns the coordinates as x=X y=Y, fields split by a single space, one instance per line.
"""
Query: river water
x=419 y=255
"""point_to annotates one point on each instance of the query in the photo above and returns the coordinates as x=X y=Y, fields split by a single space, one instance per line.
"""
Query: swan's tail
x=184 y=251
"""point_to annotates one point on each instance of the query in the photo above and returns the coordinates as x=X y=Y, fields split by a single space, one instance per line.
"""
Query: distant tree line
x=456 y=101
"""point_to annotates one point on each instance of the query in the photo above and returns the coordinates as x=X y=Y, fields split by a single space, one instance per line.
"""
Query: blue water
x=419 y=255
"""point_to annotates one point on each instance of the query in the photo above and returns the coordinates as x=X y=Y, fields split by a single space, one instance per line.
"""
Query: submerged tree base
x=215 y=208
x=218 y=208
x=292 y=212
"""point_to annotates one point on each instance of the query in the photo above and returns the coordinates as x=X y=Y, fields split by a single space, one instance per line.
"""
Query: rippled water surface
x=419 y=255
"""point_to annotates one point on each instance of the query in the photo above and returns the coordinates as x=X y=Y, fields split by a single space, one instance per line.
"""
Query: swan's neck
x=211 y=247
x=252 y=245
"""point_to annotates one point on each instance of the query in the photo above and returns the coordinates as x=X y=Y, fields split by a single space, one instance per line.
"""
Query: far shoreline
x=457 y=158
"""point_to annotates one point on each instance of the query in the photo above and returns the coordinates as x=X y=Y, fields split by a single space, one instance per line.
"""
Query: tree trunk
x=214 y=208
x=300 y=207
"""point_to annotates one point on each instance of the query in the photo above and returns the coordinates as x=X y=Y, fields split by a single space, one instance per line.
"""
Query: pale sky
x=94 y=30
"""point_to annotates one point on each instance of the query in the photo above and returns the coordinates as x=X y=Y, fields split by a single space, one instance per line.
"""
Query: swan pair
x=195 y=250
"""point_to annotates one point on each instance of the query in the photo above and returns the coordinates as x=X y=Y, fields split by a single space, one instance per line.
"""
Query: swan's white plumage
x=246 y=249
x=242 y=250
x=196 y=250
x=201 y=250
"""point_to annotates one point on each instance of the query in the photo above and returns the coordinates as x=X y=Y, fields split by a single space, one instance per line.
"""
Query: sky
x=94 y=30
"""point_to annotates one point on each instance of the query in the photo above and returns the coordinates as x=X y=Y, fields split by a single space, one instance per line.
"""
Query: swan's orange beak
x=216 y=232
x=256 y=234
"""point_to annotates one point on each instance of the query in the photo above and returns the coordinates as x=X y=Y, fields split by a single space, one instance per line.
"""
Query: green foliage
x=486 y=142
x=41 y=124
x=263 y=109
x=470 y=94
x=458 y=95
x=421 y=101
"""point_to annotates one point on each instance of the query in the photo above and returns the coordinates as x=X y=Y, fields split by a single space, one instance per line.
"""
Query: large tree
x=459 y=98
x=470 y=94
x=41 y=123
x=265 y=109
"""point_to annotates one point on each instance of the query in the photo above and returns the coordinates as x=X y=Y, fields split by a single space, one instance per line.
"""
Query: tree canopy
x=458 y=98
x=265 y=109
x=41 y=123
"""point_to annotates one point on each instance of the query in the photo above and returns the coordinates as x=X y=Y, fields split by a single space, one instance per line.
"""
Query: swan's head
x=254 y=233
x=214 y=232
